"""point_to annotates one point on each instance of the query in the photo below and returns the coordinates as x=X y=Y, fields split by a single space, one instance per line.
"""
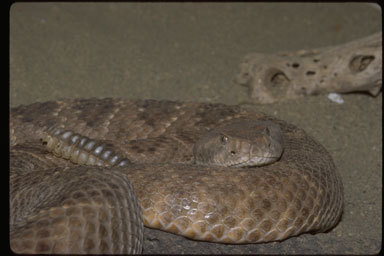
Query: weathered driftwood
x=350 y=67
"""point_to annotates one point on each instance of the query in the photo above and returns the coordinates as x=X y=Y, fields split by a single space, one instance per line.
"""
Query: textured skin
x=240 y=143
x=302 y=192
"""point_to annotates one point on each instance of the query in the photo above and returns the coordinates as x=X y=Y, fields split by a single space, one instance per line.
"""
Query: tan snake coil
x=61 y=207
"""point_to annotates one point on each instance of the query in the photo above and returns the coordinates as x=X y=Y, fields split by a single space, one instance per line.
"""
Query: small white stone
x=335 y=97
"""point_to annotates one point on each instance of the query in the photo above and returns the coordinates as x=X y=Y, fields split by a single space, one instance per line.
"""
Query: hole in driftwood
x=277 y=82
x=295 y=65
x=279 y=79
x=360 y=62
x=310 y=73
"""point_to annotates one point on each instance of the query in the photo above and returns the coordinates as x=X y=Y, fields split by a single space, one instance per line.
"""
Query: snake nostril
x=267 y=131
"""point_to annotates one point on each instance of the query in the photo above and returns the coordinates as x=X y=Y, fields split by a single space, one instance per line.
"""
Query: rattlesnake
x=60 y=206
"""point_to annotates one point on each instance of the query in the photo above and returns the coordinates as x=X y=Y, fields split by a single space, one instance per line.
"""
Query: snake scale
x=57 y=206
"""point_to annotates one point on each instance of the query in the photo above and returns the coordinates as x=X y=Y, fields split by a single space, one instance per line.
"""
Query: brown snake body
x=58 y=206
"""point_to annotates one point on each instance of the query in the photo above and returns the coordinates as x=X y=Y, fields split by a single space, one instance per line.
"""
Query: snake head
x=240 y=143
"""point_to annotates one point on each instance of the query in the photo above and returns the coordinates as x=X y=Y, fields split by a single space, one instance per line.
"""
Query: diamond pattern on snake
x=87 y=174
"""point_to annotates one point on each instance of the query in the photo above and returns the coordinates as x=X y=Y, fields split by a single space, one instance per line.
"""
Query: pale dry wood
x=350 y=67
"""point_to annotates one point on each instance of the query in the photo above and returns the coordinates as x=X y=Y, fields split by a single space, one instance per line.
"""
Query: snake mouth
x=255 y=161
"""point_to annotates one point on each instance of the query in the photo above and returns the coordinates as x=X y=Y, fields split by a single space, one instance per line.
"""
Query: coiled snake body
x=85 y=172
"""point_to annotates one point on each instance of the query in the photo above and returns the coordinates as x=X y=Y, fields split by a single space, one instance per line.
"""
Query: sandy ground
x=191 y=51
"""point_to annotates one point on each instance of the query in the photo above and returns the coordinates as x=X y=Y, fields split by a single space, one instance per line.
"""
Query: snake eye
x=233 y=153
x=224 y=139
